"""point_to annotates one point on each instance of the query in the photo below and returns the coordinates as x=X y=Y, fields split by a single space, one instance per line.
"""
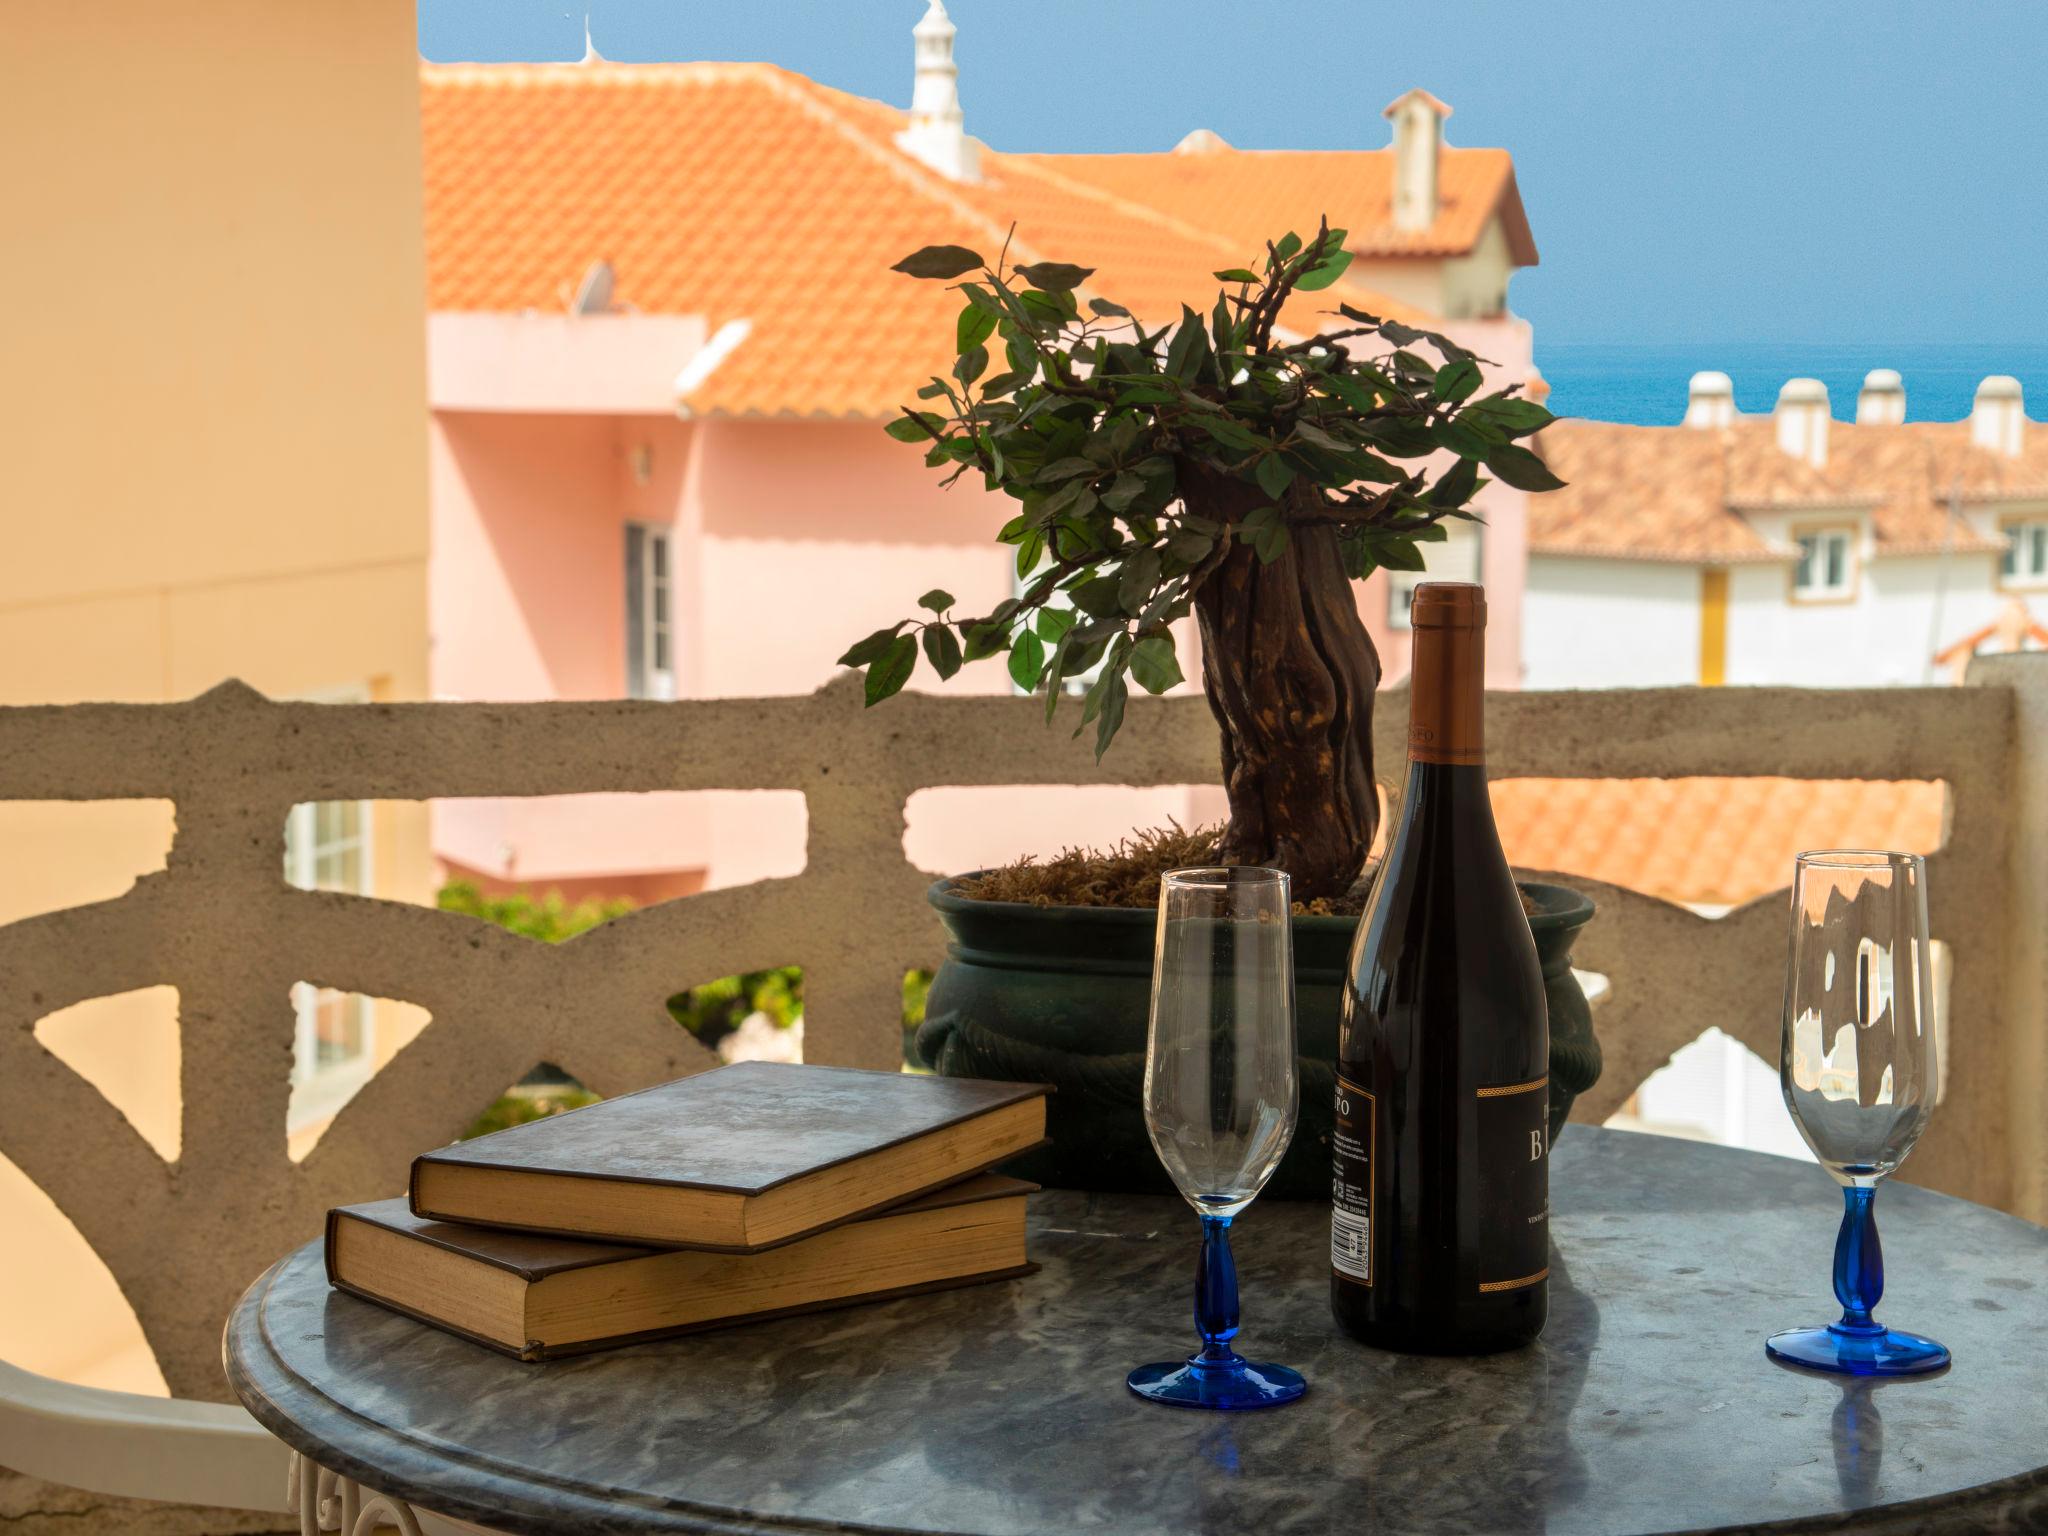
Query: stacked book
x=751 y=1191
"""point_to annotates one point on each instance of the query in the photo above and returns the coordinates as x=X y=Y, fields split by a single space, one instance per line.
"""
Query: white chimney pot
x=1882 y=400
x=937 y=133
x=1998 y=417
x=1710 y=400
x=1802 y=418
x=1418 y=119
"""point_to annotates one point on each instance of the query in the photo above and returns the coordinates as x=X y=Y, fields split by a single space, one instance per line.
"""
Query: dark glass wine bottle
x=1440 y=1231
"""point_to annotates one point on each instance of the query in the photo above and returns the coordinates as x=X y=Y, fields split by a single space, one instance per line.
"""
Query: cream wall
x=215 y=466
x=1464 y=287
x=1610 y=623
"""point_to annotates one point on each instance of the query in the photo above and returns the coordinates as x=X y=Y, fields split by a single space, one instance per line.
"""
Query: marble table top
x=1648 y=1405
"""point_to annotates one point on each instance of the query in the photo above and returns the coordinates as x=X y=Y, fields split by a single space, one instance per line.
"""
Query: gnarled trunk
x=1290 y=673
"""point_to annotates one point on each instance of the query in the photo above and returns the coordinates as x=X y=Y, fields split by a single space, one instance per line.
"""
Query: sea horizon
x=1644 y=384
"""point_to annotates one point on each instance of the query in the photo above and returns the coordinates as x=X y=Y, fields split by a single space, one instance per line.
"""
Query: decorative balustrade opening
x=222 y=925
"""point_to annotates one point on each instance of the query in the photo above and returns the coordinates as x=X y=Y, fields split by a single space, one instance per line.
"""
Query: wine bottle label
x=1351 y=1182
x=1514 y=1152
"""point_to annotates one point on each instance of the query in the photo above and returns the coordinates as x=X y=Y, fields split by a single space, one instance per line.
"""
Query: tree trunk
x=1290 y=673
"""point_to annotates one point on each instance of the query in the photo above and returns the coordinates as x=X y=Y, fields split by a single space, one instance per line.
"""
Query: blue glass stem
x=1216 y=1296
x=1859 y=1262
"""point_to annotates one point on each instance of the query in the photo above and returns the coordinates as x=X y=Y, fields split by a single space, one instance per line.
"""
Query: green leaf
x=1399 y=555
x=867 y=650
x=1237 y=275
x=985 y=639
x=942 y=650
x=1522 y=469
x=1029 y=549
x=969 y=365
x=1027 y=660
x=1289 y=244
x=1350 y=391
x=1456 y=381
x=1271 y=543
x=938 y=261
x=1189 y=346
x=1324 y=272
x=938 y=600
x=974 y=326
x=1274 y=475
x=1098 y=596
x=916 y=426
x=1140 y=576
x=1111 y=691
x=1126 y=489
x=1230 y=433
x=1055 y=276
x=1455 y=485
x=1516 y=417
x=1104 y=307
x=1066 y=469
x=1154 y=665
x=1189 y=547
x=891 y=670
x=1054 y=622
x=1309 y=432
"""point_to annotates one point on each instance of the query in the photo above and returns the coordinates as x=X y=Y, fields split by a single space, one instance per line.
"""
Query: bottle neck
x=1447 y=694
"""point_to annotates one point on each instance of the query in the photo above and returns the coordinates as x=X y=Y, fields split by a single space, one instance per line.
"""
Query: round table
x=1648 y=1405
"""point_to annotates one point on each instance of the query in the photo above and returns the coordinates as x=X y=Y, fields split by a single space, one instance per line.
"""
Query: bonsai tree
x=1208 y=467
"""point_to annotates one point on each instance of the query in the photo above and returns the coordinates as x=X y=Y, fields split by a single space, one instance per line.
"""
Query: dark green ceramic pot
x=1061 y=995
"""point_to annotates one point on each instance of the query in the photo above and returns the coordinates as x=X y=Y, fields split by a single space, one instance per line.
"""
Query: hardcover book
x=738 y=1159
x=540 y=1297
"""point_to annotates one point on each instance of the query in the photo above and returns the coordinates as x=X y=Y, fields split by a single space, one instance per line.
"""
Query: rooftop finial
x=590 y=53
x=937 y=134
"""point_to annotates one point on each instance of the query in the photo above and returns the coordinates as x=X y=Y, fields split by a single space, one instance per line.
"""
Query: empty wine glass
x=1858 y=1071
x=1221 y=1094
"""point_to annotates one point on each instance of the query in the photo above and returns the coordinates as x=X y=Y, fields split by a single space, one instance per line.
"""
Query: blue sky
x=1841 y=171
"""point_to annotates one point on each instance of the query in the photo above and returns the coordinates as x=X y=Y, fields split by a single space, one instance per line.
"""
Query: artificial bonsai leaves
x=1211 y=467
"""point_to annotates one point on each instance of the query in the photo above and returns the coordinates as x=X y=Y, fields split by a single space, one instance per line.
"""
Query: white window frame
x=1812 y=544
x=319 y=1089
x=2025 y=560
x=650 y=578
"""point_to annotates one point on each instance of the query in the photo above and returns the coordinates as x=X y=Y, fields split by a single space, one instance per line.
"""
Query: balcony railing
x=221 y=925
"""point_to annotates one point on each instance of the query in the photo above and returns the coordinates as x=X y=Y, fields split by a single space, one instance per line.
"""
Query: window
x=327 y=848
x=650 y=613
x=1825 y=566
x=2026 y=551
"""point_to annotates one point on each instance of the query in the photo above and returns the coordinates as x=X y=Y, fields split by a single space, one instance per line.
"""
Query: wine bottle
x=1439 y=1234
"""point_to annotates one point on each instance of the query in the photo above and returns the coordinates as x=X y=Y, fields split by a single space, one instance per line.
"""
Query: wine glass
x=1858 y=1071
x=1221 y=1094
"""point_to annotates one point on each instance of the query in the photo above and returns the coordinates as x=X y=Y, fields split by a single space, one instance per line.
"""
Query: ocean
x=1645 y=385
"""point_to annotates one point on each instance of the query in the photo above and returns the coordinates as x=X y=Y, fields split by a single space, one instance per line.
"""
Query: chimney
x=1803 y=420
x=1710 y=400
x=1418 y=119
x=937 y=134
x=1882 y=400
x=1998 y=417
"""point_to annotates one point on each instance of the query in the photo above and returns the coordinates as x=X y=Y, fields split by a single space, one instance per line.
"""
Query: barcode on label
x=1348 y=1240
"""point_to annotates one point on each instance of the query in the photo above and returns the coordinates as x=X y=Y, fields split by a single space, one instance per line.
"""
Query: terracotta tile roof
x=1706 y=841
x=1680 y=493
x=743 y=191
x=1249 y=194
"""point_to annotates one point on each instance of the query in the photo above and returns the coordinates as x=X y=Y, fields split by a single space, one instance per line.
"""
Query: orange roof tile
x=1706 y=841
x=745 y=191
x=1251 y=194
x=1679 y=493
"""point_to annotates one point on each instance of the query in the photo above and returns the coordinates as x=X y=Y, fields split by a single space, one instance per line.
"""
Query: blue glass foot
x=1199 y=1383
x=1856 y=1352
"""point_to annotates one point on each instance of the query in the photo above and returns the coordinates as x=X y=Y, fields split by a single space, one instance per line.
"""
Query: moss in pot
x=1215 y=469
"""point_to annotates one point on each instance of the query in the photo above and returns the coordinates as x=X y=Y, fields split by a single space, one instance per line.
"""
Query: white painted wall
x=1906 y=607
x=1609 y=623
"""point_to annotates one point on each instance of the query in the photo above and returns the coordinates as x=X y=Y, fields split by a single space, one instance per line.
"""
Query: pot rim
x=1562 y=907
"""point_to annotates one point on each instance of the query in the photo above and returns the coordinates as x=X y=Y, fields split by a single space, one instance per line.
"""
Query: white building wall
x=1904 y=609
x=1609 y=623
